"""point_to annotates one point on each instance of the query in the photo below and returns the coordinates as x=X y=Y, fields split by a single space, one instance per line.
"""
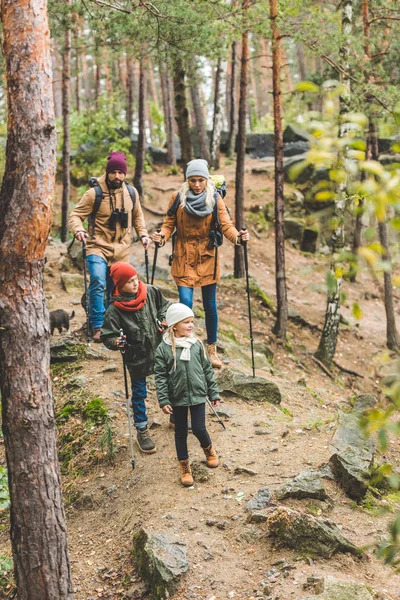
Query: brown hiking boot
x=186 y=473
x=211 y=457
x=145 y=442
x=96 y=335
x=212 y=353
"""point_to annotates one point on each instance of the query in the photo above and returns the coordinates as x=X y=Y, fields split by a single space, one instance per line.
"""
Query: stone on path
x=72 y=282
x=248 y=387
x=307 y=534
x=259 y=501
x=307 y=484
x=353 y=452
x=162 y=560
x=331 y=588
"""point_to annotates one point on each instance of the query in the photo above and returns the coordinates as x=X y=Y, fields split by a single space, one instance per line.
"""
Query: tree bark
x=218 y=117
x=129 y=94
x=280 y=272
x=232 y=102
x=167 y=94
x=392 y=335
x=141 y=144
x=182 y=113
x=199 y=116
x=57 y=77
x=77 y=69
x=238 y=265
x=37 y=520
x=66 y=149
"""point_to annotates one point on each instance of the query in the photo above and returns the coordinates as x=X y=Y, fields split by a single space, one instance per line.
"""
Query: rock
x=353 y=453
x=295 y=134
x=77 y=382
x=295 y=200
x=75 y=254
x=305 y=485
x=64 y=263
x=160 y=273
x=93 y=354
x=294 y=148
x=137 y=591
x=72 y=282
x=246 y=386
x=389 y=159
x=162 y=560
x=110 y=369
x=168 y=292
x=331 y=588
x=260 y=144
x=245 y=470
x=309 y=243
x=264 y=349
x=63 y=352
x=308 y=534
x=267 y=171
x=155 y=424
x=224 y=411
x=200 y=472
x=259 y=501
x=262 y=431
x=257 y=517
x=294 y=229
x=157 y=155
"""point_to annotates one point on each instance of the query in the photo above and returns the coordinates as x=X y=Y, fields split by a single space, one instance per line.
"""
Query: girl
x=194 y=258
x=184 y=377
x=138 y=310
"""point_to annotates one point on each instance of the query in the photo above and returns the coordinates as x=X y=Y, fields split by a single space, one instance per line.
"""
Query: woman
x=194 y=261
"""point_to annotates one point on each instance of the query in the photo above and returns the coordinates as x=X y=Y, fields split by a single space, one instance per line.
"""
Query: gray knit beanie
x=197 y=168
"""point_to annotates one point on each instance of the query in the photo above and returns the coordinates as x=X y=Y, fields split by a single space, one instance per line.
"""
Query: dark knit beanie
x=121 y=273
x=116 y=162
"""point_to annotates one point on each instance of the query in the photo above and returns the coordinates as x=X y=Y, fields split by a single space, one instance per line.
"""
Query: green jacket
x=140 y=329
x=189 y=383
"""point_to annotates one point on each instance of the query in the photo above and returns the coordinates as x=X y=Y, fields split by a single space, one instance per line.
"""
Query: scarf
x=196 y=204
x=130 y=302
x=186 y=343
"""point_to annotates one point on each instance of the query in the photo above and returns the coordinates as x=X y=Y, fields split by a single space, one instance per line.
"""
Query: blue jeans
x=209 y=295
x=100 y=282
x=139 y=395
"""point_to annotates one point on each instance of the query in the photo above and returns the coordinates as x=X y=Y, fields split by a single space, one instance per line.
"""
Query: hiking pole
x=121 y=346
x=246 y=268
x=87 y=309
x=215 y=413
x=156 y=247
x=146 y=260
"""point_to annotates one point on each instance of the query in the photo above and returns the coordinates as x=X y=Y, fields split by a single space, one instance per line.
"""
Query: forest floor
x=107 y=503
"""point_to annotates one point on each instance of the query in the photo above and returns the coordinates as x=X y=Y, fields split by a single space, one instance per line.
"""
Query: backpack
x=93 y=182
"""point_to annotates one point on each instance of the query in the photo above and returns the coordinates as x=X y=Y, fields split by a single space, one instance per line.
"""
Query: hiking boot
x=96 y=335
x=145 y=442
x=172 y=423
x=211 y=457
x=186 y=473
x=212 y=353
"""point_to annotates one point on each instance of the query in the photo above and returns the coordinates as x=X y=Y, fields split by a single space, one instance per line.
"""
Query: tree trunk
x=182 y=113
x=199 y=116
x=238 y=265
x=392 y=335
x=56 y=83
x=66 y=106
x=37 y=520
x=141 y=144
x=218 y=118
x=77 y=69
x=167 y=95
x=85 y=76
x=280 y=273
x=232 y=102
x=97 y=82
x=129 y=94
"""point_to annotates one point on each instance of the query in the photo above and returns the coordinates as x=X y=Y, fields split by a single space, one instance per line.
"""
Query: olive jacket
x=141 y=332
x=193 y=261
x=187 y=384
x=111 y=245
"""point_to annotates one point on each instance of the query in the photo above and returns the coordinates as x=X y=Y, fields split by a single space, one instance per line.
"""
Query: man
x=108 y=239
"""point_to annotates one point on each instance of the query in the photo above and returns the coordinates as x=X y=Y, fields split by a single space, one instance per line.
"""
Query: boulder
x=160 y=273
x=295 y=134
x=294 y=148
x=307 y=534
x=162 y=560
x=72 y=283
x=353 y=452
x=75 y=254
x=307 y=484
x=331 y=588
x=260 y=144
x=157 y=155
x=294 y=229
x=309 y=243
x=246 y=386
x=64 y=351
x=259 y=501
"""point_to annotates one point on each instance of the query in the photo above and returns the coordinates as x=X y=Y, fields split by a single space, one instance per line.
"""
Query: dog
x=60 y=319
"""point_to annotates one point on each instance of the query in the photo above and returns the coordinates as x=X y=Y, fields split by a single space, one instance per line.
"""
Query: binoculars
x=116 y=216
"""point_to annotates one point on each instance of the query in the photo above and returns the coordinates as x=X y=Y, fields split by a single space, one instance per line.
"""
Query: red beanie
x=116 y=162
x=121 y=273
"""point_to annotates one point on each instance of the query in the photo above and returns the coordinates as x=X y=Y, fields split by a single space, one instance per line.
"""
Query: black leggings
x=198 y=417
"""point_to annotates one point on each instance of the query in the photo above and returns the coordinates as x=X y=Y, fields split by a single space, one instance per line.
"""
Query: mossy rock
x=258 y=389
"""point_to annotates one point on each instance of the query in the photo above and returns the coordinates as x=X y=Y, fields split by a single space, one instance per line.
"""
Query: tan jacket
x=193 y=263
x=113 y=246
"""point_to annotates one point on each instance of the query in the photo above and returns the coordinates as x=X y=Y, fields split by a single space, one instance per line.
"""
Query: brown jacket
x=113 y=246
x=193 y=263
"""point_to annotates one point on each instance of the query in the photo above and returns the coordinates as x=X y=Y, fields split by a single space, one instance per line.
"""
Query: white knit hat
x=177 y=312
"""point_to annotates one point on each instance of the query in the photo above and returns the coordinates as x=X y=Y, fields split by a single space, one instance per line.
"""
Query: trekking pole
x=156 y=247
x=128 y=408
x=146 y=260
x=216 y=414
x=246 y=268
x=87 y=309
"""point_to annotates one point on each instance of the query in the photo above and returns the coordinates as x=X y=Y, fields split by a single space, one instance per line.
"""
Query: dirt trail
x=230 y=558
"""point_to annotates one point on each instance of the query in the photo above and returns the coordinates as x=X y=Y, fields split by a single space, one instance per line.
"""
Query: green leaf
x=306 y=86
x=357 y=312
